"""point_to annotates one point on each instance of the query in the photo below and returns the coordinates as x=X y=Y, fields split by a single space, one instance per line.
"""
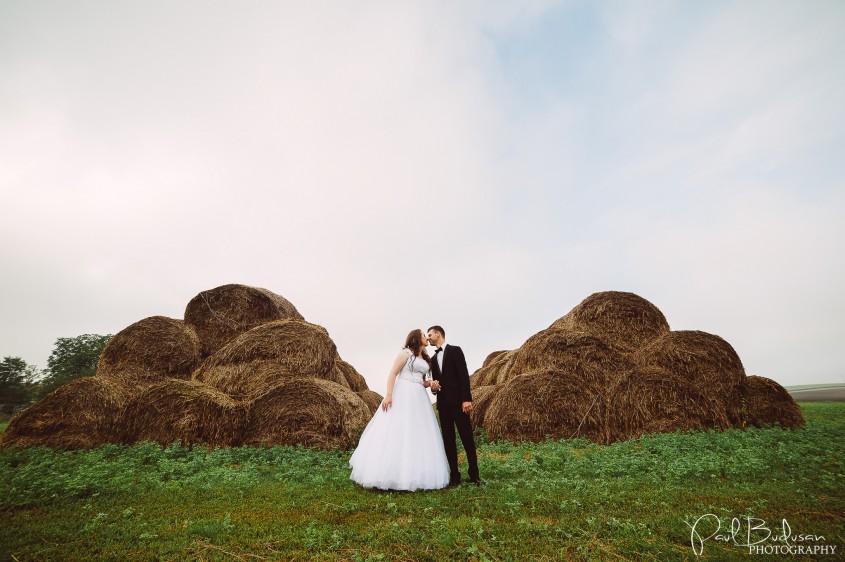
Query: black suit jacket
x=454 y=379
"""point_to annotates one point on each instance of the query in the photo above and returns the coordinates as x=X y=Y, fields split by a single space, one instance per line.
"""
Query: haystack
x=768 y=403
x=371 y=398
x=591 y=360
x=707 y=362
x=495 y=370
x=78 y=415
x=546 y=403
x=653 y=400
x=267 y=355
x=482 y=397
x=349 y=374
x=149 y=351
x=187 y=412
x=493 y=356
x=219 y=315
x=624 y=320
x=309 y=411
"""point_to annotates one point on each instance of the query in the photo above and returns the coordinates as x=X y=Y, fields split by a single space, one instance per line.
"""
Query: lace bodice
x=414 y=370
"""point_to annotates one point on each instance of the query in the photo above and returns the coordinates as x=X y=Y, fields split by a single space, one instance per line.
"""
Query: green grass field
x=558 y=500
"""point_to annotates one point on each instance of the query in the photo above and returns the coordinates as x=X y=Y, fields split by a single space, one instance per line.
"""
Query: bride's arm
x=391 y=378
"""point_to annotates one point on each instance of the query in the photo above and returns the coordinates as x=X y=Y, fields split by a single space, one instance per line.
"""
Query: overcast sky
x=484 y=165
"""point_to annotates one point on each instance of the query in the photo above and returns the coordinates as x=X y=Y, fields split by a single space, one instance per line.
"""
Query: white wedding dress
x=402 y=449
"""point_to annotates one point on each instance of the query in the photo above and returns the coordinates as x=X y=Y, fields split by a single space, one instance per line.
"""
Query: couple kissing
x=402 y=447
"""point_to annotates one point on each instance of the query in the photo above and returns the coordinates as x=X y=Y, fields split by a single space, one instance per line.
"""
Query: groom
x=454 y=403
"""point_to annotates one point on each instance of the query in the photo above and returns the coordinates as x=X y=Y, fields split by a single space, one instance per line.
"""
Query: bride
x=401 y=448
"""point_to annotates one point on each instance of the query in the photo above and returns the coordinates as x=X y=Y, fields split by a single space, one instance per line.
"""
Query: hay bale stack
x=267 y=355
x=546 y=403
x=495 y=371
x=221 y=314
x=371 y=398
x=615 y=351
x=150 y=351
x=78 y=415
x=311 y=412
x=768 y=403
x=482 y=397
x=591 y=360
x=706 y=361
x=625 y=320
x=653 y=400
x=187 y=412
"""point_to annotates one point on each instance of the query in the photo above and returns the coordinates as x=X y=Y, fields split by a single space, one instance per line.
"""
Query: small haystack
x=149 y=351
x=707 y=362
x=624 y=320
x=546 y=403
x=591 y=360
x=309 y=411
x=371 y=398
x=267 y=355
x=768 y=403
x=349 y=374
x=482 y=397
x=187 y=412
x=78 y=415
x=495 y=370
x=247 y=381
x=653 y=400
x=493 y=356
x=219 y=315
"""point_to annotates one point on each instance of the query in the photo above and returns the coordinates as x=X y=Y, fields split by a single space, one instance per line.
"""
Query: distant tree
x=16 y=384
x=72 y=358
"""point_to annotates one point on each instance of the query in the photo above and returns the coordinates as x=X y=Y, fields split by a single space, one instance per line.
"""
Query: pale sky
x=484 y=165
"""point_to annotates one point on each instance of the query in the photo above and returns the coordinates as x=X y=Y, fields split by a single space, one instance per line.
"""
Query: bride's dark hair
x=414 y=343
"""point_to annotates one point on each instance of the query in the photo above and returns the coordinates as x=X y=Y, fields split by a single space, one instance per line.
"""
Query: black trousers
x=452 y=416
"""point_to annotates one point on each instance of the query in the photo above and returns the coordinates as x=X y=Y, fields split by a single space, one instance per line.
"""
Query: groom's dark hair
x=438 y=329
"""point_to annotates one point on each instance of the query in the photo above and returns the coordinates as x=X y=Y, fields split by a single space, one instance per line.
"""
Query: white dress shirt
x=440 y=356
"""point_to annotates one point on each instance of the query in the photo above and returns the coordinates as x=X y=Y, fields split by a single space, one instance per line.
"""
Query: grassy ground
x=564 y=500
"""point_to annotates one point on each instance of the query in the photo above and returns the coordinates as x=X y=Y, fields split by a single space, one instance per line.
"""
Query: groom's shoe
x=453 y=483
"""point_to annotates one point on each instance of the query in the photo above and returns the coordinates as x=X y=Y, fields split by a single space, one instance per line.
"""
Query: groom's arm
x=435 y=374
x=463 y=375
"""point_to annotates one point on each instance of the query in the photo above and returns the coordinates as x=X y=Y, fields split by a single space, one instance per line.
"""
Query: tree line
x=22 y=384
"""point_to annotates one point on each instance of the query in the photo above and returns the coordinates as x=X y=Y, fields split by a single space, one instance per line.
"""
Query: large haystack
x=482 y=397
x=221 y=314
x=768 y=403
x=707 y=362
x=653 y=400
x=78 y=415
x=618 y=347
x=186 y=412
x=267 y=355
x=591 y=360
x=371 y=398
x=624 y=320
x=195 y=381
x=495 y=370
x=149 y=351
x=308 y=411
x=546 y=403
